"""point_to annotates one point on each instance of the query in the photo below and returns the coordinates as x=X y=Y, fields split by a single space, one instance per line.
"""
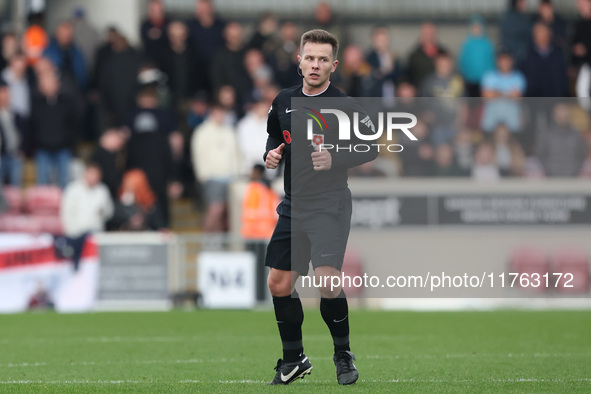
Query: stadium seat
x=528 y=260
x=16 y=223
x=43 y=199
x=571 y=260
x=51 y=224
x=14 y=198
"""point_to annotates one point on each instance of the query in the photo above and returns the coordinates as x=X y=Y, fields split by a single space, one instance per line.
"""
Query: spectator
x=251 y=140
x=67 y=57
x=443 y=82
x=515 y=28
x=206 y=32
x=12 y=139
x=445 y=163
x=136 y=208
x=557 y=24
x=464 y=151
x=182 y=65
x=325 y=19
x=385 y=65
x=356 y=73
x=117 y=81
x=445 y=85
x=421 y=62
x=53 y=130
x=265 y=37
x=150 y=76
x=86 y=36
x=108 y=156
x=581 y=41
x=226 y=98
x=42 y=67
x=10 y=47
x=216 y=161
x=149 y=147
x=85 y=208
x=509 y=153
x=34 y=41
x=583 y=86
x=407 y=102
x=227 y=66
x=417 y=158
x=153 y=33
x=561 y=149
x=259 y=204
x=198 y=110
x=102 y=54
x=545 y=67
x=485 y=168
x=180 y=165
x=284 y=60
x=259 y=72
x=476 y=56
x=15 y=76
x=502 y=86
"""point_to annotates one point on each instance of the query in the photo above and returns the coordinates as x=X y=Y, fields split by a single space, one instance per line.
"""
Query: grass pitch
x=235 y=351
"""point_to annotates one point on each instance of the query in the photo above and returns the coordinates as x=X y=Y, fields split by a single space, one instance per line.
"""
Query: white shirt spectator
x=584 y=86
x=85 y=209
x=214 y=149
x=252 y=139
x=20 y=97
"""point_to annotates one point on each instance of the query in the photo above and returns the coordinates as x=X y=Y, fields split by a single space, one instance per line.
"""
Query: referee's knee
x=279 y=284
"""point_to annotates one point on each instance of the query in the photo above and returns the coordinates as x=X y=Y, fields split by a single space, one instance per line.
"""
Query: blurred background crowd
x=183 y=115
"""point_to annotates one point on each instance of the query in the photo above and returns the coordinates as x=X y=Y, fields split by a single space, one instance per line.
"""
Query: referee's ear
x=334 y=66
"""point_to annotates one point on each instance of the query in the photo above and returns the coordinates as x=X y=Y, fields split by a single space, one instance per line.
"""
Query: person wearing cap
x=477 y=55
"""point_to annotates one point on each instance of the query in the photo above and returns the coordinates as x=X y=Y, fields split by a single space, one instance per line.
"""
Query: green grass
x=235 y=351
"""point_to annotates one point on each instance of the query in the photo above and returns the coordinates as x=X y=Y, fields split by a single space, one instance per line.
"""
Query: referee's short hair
x=319 y=36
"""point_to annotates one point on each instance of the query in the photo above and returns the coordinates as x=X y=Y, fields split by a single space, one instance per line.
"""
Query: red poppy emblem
x=318 y=140
x=287 y=136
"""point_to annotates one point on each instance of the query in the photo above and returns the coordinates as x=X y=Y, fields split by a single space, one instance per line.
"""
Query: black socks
x=290 y=316
x=335 y=312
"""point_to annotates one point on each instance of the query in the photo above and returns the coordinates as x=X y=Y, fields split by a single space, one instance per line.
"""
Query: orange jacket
x=259 y=216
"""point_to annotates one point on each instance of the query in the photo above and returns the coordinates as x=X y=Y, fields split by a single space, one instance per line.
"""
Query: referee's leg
x=335 y=312
x=288 y=312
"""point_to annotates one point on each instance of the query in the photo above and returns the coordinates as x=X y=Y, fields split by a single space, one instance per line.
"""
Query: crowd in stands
x=189 y=106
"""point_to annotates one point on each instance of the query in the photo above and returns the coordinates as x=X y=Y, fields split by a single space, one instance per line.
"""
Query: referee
x=319 y=232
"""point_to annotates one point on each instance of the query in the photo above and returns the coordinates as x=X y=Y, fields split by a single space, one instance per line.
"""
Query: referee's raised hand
x=274 y=157
x=321 y=159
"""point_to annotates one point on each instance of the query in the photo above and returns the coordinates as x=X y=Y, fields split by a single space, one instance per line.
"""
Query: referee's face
x=317 y=64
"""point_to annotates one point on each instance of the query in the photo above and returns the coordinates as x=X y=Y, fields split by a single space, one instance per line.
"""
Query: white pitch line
x=141 y=362
x=119 y=339
x=319 y=358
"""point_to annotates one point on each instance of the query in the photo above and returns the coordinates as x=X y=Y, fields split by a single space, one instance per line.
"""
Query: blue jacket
x=477 y=55
x=55 y=53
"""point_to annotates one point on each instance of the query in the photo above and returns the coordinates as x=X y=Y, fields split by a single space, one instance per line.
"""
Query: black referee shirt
x=300 y=179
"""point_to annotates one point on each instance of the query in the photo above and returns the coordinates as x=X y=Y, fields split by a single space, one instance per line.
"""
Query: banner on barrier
x=31 y=276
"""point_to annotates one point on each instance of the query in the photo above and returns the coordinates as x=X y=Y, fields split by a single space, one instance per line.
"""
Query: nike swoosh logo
x=326 y=255
x=338 y=321
x=285 y=378
x=287 y=110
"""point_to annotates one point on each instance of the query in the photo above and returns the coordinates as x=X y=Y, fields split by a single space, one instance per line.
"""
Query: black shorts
x=314 y=230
